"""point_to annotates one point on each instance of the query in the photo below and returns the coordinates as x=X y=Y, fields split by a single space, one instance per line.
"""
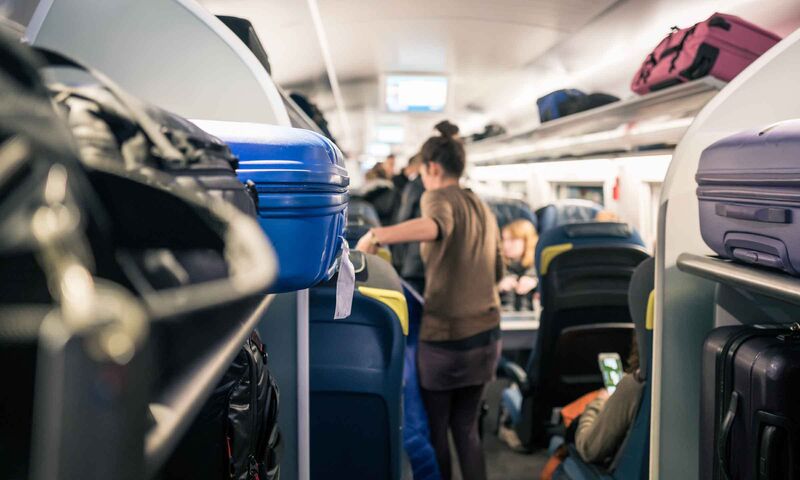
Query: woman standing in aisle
x=460 y=334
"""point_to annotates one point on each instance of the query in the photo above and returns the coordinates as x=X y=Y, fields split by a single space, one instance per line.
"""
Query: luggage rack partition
x=174 y=408
x=773 y=284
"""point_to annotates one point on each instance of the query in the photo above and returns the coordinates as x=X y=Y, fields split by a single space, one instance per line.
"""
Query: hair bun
x=447 y=129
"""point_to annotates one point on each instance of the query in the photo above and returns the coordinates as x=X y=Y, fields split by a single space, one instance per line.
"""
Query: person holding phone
x=604 y=423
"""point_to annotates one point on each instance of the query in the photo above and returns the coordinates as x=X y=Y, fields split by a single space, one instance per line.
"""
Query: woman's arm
x=417 y=230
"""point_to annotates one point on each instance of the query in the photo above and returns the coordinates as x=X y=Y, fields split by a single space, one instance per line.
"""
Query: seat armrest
x=508 y=369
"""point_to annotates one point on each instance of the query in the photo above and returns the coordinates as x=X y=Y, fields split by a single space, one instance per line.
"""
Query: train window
x=592 y=192
x=516 y=189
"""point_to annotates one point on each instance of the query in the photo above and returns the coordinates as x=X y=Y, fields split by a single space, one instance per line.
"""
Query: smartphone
x=611 y=369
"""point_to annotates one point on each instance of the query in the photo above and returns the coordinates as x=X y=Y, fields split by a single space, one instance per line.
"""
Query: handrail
x=768 y=283
x=176 y=407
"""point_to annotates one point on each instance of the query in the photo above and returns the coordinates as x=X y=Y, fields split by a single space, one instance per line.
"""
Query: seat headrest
x=509 y=210
x=558 y=240
x=564 y=212
x=597 y=229
x=641 y=297
x=360 y=209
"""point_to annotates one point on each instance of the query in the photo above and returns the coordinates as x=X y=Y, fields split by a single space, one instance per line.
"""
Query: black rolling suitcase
x=750 y=409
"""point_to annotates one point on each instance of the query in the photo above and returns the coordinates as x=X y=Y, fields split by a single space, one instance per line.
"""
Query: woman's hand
x=508 y=283
x=367 y=243
x=526 y=284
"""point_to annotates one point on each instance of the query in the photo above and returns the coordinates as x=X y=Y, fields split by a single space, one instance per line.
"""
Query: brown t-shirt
x=462 y=266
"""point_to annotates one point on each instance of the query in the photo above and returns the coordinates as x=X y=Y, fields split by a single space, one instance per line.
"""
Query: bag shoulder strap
x=163 y=146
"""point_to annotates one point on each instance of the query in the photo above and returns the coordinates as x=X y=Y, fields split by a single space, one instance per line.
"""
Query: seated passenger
x=605 y=421
x=606 y=216
x=602 y=421
x=380 y=192
x=519 y=246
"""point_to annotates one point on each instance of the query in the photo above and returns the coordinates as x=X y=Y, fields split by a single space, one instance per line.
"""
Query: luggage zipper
x=745 y=196
x=251 y=355
x=252 y=469
x=263 y=433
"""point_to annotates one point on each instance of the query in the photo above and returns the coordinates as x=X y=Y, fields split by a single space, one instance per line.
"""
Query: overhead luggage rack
x=652 y=123
x=772 y=284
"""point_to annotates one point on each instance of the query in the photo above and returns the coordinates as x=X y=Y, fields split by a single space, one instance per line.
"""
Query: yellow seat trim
x=385 y=254
x=392 y=299
x=551 y=252
x=651 y=311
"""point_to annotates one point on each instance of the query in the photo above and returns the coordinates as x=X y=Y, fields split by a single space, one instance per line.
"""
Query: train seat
x=562 y=212
x=356 y=375
x=507 y=210
x=585 y=271
x=632 y=459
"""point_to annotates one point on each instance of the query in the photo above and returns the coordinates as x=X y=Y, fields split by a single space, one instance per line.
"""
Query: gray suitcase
x=749 y=196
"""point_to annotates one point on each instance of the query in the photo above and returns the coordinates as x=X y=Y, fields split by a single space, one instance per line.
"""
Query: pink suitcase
x=721 y=46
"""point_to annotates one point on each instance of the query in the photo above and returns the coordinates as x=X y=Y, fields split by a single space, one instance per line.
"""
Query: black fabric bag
x=579 y=104
x=32 y=141
x=750 y=421
x=236 y=434
x=109 y=125
x=247 y=34
x=49 y=212
x=313 y=112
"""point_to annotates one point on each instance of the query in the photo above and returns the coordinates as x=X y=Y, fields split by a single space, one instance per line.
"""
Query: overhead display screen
x=416 y=93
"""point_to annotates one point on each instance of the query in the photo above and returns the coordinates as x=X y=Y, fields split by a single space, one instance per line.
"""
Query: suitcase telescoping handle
x=724 y=439
x=164 y=147
x=756 y=214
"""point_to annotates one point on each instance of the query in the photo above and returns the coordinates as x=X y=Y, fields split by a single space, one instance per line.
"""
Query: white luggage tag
x=345 y=284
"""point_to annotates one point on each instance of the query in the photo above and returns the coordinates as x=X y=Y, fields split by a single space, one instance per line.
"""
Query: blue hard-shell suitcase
x=302 y=188
x=749 y=196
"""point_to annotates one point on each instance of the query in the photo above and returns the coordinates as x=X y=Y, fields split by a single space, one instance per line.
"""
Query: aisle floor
x=503 y=463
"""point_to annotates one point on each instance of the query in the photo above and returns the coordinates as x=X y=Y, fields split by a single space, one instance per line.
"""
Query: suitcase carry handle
x=723 y=442
x=756 y=214
x=164 y=147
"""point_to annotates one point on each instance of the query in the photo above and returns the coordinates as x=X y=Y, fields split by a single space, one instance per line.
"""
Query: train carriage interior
x=399 y=240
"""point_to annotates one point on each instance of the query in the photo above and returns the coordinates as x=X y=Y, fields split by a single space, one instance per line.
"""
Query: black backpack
x=236 y=434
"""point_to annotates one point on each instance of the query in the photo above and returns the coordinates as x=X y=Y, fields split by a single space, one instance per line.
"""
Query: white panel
x=684 y=305
x=172 y=53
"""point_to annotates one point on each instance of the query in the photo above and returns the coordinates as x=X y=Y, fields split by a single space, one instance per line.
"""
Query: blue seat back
x=356 y=373
x=632 y=460
x=416 y=432
x=633 y=457
x=507 y=210
x=585 y=271
x=563 y=212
